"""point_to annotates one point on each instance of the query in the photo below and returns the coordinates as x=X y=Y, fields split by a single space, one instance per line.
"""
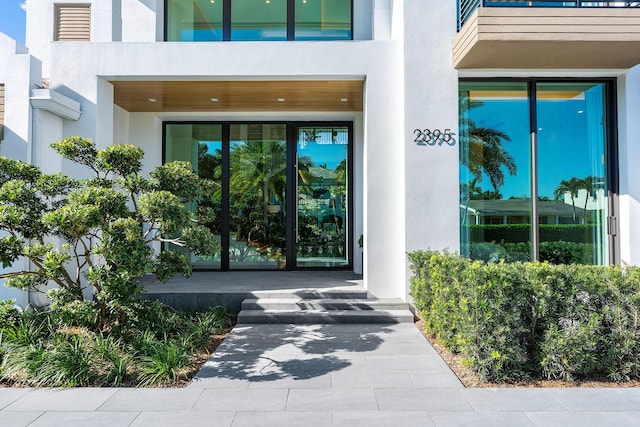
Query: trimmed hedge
x=514 y=233
x=532 y=320
x=552 y=252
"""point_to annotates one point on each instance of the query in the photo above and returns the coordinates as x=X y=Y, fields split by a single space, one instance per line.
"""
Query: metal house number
x=434 y=137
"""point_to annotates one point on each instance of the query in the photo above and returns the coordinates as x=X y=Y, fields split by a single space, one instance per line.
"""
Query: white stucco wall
x=40 y=25
x=18 y=72
x=629 y=155
x=142 y=20
x=431 y=102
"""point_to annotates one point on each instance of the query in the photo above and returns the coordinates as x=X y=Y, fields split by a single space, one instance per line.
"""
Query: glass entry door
x=257 y=196
x=322 y=196
x=282 y=195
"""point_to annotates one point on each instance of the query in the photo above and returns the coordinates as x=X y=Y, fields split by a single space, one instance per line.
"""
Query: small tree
x=99 y=232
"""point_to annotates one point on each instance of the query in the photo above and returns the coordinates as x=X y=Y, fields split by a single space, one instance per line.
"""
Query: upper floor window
x=72 y=22
x=323 y=19
x=258 y=20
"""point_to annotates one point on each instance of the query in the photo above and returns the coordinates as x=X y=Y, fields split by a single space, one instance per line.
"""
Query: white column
x=629 y=158
x=431 y=103
x=382 y=20
x=383 y=168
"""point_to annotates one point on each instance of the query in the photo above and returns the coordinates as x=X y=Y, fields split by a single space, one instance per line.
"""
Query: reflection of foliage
x=591 y=184
x=514 y=233
x=475 y=192
x=553 y=252
x=322 y=197
x=210 y=168
x=258 y=178
x=341 y=177
x=573 y=186
x=486 y=153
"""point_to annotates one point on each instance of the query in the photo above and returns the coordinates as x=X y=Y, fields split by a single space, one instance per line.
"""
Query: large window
x=258 y=20
x=536 y=170
x=282 y=191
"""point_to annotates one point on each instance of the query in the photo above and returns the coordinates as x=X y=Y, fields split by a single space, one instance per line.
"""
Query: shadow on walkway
x=262 y=353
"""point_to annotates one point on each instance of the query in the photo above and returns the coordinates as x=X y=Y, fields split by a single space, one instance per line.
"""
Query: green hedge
x=514 y=233
x=516 y=320
x=552 y=252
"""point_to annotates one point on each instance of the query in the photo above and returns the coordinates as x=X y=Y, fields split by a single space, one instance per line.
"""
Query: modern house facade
x=322 y=121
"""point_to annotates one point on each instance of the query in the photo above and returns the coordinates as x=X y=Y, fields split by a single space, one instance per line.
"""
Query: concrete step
x=310 y=294
x=296 y=304
x=324 y=316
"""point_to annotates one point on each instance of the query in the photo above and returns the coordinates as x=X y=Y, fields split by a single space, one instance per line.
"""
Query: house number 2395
x=434 y=137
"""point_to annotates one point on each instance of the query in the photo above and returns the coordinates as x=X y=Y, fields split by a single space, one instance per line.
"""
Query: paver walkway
x=322 y=375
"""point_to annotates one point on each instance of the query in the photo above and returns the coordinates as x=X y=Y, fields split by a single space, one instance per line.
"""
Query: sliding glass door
x=282 y=191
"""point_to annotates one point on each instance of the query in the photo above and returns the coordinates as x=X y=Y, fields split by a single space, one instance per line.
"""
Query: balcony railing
x=467 y=7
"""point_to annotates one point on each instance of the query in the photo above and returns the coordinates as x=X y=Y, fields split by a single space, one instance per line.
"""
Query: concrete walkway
x=322 y=375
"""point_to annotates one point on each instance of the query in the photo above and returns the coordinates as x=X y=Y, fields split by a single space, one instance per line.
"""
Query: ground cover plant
x=157 y=347
x=514 y=321
x=87 y=241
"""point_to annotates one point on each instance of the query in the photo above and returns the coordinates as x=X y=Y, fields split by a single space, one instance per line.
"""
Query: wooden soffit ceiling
x=239 y=96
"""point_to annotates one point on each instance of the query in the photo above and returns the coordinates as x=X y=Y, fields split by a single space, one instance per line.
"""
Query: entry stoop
x=322 y=307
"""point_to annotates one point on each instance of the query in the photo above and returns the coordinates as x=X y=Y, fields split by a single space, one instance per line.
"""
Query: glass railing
x=467 y=7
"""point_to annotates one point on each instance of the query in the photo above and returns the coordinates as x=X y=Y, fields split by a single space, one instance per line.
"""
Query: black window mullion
x=351 y=18
x=226 y=20
x=350 y=190
x=165 y=30
x=533 y=126
x=292 y=196
x=291 y=20
x=226 y=217
x=612 y=174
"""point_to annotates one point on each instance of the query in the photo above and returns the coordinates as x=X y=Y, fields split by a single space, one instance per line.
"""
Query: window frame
x=292 y=177
x=226 y=22
x=611 y=152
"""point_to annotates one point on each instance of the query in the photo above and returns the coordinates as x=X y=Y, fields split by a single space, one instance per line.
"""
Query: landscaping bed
x=84 y=244
x=528 y=323
x=468 y=378
x=157 y=347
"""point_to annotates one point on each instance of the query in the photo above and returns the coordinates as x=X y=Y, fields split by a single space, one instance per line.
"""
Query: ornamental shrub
x=99 y=233
x=522 y=319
